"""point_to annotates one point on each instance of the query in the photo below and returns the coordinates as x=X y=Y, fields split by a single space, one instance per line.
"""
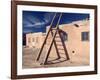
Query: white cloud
x=33 y=21
x=36 y=25
x=27 y=31
x=48 y=16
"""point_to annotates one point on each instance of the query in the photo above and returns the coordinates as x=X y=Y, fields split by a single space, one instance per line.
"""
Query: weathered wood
x=55 y=46
x=46 y=38
x=64 y=46
x=54 y=36
x=53 y=39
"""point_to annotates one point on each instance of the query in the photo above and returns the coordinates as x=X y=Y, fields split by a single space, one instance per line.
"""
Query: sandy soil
x=30 y=55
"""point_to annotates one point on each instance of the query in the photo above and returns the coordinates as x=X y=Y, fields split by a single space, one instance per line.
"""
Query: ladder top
x=54 y=28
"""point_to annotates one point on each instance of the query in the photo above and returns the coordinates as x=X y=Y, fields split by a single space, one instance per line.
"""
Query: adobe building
x=77 y=42
x=35 y=40
x=75 y=36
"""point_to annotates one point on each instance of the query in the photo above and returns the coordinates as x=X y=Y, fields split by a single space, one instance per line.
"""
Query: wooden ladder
x=54 y=36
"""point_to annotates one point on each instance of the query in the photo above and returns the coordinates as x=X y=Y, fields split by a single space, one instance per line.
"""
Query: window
x=33 y=39
x=85 y=36
x=29 y=39
x=37 y=39
x=64 y=36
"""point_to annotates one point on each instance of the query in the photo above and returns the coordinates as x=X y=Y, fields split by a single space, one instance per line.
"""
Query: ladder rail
x=49 y=49
x=52 y=39
x=64 y=46
x=46 y=37
x=59 y=20
x=55 y=46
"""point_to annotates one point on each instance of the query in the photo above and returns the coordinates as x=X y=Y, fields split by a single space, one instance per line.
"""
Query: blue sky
x=35 y=21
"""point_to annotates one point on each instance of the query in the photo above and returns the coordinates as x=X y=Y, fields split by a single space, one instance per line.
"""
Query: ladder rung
x=61 y=53
x=48 y=40
x=58 y=40
x=54 y=28
x=57 y=37
x=47 y=44
x=59 y=44
x=60 y=49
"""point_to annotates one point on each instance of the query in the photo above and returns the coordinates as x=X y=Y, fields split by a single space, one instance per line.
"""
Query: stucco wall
x=38 y=39
x=74 y=42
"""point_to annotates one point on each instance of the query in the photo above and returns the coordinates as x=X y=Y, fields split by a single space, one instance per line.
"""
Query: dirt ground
x=30 y=55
